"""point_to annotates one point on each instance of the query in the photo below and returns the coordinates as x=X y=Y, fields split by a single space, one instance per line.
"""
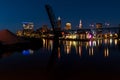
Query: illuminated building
x=80 y=24
x=19 y=33
x=99 y=30
x=44 y=28
x=68 y=26
x=28 y=28
x=59 y=22
x=98 y=25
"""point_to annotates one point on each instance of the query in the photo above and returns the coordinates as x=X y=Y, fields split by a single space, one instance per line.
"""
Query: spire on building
x=80 y=24
x=59 y=18
x=59 y=22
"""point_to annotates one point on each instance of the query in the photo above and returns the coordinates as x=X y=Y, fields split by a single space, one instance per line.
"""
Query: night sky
x=14 y=12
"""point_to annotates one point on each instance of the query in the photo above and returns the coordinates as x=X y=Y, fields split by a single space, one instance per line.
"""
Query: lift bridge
x=53 y=21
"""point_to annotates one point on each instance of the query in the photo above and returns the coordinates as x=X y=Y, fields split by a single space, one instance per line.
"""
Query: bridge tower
x=53 y=21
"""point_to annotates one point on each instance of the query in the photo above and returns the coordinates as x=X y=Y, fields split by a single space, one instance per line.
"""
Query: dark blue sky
x=14 y=12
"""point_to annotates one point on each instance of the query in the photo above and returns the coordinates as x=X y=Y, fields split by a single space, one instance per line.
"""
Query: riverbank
x=29 y=43
x=9 y=41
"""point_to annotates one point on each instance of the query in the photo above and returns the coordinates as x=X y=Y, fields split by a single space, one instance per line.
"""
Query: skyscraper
x=28 y=28
x=99 y=25
x=68 y=26
x=59 y=22
x=28 y=25
x=80 y=24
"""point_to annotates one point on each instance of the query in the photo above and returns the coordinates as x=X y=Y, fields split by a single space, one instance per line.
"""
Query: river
x=98 y=59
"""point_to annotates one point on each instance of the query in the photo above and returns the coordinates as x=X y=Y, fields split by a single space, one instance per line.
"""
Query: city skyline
x=14 y=12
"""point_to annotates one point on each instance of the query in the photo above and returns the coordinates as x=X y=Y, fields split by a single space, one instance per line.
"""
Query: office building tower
x=68 y=26
x=59 y=22
x=28 y=26
x=80 y=24
x=99 y=25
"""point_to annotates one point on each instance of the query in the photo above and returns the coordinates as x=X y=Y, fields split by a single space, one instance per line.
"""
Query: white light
x=59 y=18
x=111 y=41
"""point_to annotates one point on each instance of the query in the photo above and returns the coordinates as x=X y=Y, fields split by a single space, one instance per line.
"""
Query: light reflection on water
x=106 y=48
x=73 y=59
x=84 y=58
x=91 y=48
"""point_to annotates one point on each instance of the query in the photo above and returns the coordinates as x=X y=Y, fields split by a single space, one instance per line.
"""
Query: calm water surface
x=99 y=59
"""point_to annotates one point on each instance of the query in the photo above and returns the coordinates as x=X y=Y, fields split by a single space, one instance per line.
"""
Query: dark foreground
x=39 y=66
